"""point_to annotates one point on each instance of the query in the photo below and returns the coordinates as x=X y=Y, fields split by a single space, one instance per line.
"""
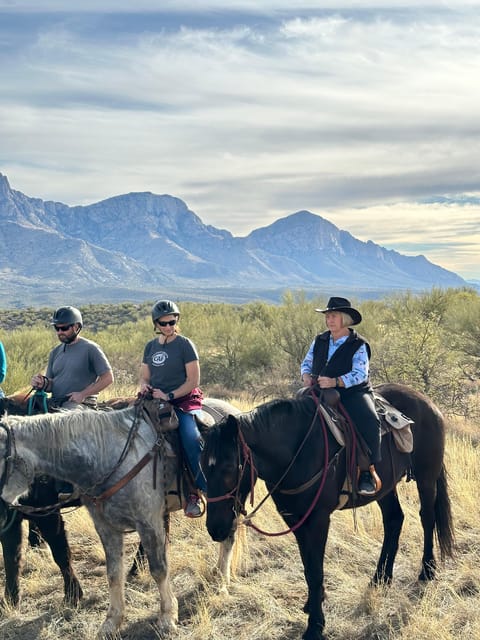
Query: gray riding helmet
x=164 y=308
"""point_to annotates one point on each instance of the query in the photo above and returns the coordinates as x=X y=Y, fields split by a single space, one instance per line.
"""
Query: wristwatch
x=171 y=396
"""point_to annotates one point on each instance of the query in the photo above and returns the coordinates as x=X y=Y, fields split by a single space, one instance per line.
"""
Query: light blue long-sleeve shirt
x=360 y=362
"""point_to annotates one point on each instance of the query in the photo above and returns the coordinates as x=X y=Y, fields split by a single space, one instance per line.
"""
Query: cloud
x=251 y=112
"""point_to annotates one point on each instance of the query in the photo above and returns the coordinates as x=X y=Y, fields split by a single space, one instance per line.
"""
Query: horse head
x=227 y=468
x=15 y=404
x=16 y=474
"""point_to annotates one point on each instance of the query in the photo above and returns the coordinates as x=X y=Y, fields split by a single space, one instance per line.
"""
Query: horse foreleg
x=224 y=563
x=138 y=561
x=312 y=539
x=113 y=546
x=392 y=516
x=52 y=530
x=154 y=544
x=11 y=540
x=35 y=538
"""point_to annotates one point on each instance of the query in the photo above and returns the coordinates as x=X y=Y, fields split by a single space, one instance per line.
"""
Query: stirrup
x=370 y=481
x=376 y=478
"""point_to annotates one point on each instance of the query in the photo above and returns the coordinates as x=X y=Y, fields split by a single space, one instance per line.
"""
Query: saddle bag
x=395 y=421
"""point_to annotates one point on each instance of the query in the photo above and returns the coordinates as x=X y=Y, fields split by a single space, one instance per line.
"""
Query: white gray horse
x=96 y=451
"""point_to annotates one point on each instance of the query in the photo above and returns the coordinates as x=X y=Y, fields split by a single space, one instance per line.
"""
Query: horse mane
x=59 y=429
x=276 y=413
x=270 y=416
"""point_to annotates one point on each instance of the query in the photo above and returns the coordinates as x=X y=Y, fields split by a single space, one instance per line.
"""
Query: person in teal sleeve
x=3 y=367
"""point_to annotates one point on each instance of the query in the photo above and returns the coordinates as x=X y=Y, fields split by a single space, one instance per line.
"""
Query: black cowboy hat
x=342 y=304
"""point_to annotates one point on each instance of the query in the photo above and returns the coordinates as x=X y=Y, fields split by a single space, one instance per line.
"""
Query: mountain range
x=139 y=246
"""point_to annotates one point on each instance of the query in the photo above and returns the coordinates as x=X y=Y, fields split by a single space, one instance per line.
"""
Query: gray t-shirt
x=166 y=362
x=72 y=367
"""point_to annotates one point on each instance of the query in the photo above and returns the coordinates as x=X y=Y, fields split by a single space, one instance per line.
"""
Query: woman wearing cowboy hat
x=339 y=357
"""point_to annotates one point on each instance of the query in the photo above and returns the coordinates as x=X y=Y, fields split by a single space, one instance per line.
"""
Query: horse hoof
x=73 y=595
x=313 y=636
x=108 y=631
x=428 y=571
x=9 y=604
x=166 y=625
x=223 y=590
x=426 y=575
x=314 y=632
x=381 y=581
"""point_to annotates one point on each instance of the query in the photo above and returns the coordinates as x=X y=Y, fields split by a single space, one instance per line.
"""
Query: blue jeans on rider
x=192 y=446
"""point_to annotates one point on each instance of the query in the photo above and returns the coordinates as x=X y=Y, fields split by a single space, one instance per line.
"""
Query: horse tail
x=443 y=517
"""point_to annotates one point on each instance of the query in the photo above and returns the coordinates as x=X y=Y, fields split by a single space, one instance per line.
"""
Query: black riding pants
x=361 y=409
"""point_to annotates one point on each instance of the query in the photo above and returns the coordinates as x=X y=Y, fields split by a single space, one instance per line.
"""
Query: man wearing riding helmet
x=77 y=369
x=170 y=370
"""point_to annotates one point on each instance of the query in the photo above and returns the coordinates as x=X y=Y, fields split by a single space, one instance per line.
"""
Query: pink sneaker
x=193 y=508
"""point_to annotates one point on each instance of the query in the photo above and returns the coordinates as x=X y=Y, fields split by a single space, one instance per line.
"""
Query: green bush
x=429 y=341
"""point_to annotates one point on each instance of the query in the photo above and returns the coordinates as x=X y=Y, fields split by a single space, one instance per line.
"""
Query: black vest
x=341 y=361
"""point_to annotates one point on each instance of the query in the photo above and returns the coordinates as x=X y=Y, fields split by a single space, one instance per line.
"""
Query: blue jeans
x=192 y=446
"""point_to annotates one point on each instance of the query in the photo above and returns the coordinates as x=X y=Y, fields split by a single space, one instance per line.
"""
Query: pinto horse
x=123 y=471
x=304 y=468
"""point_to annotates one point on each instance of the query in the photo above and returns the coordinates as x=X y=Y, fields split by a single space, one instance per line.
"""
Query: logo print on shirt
x=159 y=358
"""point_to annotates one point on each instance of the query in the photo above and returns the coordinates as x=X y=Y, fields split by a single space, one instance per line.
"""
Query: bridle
x=245 y=456
x=8 y=457
x=89 y=494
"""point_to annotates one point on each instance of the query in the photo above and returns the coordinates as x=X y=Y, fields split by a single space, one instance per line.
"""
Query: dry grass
x=266 y=598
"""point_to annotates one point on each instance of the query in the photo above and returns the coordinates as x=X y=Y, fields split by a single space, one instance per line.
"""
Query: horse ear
x=231 y=425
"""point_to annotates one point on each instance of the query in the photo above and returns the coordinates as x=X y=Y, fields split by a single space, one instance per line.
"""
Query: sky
x=366 y=113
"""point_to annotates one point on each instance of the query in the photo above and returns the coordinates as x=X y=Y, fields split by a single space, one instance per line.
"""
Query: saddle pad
x=332 y=425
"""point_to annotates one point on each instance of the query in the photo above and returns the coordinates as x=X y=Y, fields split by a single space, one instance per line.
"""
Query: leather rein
x=245 y=456
x=11 y=457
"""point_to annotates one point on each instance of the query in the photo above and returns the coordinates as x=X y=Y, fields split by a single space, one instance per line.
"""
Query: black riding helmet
x=164 y=308
x=67 y=315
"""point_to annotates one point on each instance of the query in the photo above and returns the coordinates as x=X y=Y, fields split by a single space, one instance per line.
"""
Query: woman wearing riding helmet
x=171 y=371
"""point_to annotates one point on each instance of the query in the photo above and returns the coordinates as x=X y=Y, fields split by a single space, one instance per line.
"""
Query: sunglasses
x=170 y=323
x=64 y=328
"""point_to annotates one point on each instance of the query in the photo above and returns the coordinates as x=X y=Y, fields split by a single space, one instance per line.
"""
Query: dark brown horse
x=305 y=468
